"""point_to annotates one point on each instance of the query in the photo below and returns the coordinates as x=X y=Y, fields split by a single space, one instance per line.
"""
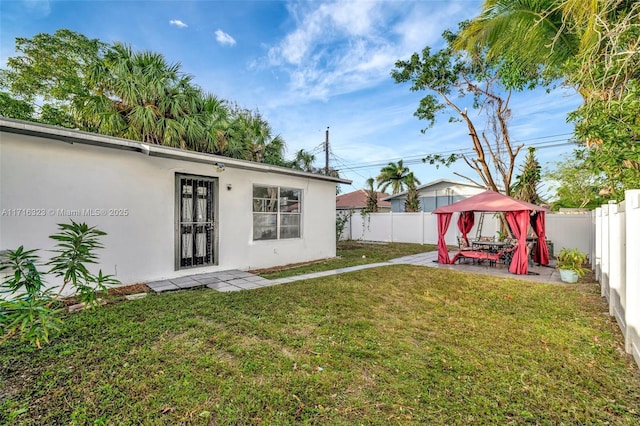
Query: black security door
x=196 y=221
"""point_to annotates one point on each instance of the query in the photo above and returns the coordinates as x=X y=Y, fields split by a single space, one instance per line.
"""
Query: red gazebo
x=519 y=215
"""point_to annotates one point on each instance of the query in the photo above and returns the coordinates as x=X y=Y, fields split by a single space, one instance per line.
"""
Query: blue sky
x=306 y=66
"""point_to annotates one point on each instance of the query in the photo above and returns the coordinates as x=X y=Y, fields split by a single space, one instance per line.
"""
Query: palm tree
x=527 y=183
x=412 y=203
x=255 y=136
x=140 y=96
x=538 y=27
x=304 y=161
x=372 y=197
x=395 y=176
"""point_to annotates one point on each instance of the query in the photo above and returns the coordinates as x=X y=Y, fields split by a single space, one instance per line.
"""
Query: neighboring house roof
x=439 y=182
x=358 y=200
x=77 y=136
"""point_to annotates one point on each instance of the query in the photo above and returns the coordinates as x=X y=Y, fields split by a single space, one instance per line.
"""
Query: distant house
x=167 y=212
x=436 y=194
x=357 y=201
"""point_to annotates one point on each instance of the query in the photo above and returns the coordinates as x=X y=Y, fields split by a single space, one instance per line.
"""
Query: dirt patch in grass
x=129 y=289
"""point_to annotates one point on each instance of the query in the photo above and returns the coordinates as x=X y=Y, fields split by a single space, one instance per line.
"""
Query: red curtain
x=519 y=223
x=444 y=219
x=541 y=255
x=465 y=223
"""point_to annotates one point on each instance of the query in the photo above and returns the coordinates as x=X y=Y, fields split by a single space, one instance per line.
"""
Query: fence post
x=632 y=312
x=605 y=252
x=616 y=264
x=598 y=245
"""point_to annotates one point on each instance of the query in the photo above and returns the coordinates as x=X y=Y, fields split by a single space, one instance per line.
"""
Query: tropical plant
x=342 y=218
x=527 y=184
x=538 y=26
x=572 y=260
x=394 y=175
x=139 y=95
x=593 y=46
x=304 y=161
x=412 y=203
x=114 y=90
x=28 y=308
x=372 y=197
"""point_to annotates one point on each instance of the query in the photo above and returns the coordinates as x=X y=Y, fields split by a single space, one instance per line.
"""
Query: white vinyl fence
x=617 y=264
x=563 y=230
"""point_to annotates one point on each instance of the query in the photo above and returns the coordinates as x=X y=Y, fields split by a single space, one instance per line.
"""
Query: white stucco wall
x=50 y=176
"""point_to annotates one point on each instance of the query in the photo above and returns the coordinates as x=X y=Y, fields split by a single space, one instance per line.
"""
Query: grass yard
x=392 y=345
x=350 y=253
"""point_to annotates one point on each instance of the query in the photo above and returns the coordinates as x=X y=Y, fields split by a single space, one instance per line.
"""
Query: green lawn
x=350 y=253
x=398 y=344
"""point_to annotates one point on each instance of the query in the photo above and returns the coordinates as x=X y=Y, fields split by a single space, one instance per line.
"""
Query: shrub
x=572 y=260
x=31 y=310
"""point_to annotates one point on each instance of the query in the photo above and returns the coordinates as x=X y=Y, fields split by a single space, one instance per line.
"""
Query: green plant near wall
x=572 y=260
x=341 y=222
x=30 y=310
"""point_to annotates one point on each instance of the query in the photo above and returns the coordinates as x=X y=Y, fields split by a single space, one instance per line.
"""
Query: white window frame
x=282 y=204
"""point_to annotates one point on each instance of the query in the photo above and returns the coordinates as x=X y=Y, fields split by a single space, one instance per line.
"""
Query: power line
x=410 y=160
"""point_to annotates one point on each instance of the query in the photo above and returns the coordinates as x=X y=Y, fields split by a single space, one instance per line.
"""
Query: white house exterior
x=438 y=193
x=167 y=212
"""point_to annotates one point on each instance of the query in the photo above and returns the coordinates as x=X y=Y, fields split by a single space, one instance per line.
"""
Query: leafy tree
x=527 y=184
x=412 y=203
x=52 y=68
x=395 y=176
x=304 y=161
x=574 y=185
x=372 y=197
x=15 y=108
x=453 y=80
x=593 y=46
x=607 y=71
x=114 y=90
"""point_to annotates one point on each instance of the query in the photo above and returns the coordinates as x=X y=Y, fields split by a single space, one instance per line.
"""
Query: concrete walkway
x=235 y=280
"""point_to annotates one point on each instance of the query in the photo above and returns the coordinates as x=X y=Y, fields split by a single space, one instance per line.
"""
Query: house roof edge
x=77 y=136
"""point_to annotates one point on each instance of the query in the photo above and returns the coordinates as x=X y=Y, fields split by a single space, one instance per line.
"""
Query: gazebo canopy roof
x=489 y=201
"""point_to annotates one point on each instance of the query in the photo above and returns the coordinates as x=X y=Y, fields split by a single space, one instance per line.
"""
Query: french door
x=195 y=217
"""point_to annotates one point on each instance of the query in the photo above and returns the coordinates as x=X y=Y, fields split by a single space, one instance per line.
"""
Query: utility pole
x=326 y=152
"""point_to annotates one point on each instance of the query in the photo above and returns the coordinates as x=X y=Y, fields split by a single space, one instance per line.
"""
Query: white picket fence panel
x=617 y=264
x=564 y=230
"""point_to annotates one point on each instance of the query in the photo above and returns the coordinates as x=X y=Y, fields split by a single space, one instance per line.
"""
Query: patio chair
x=506 y=255
x=463 y=244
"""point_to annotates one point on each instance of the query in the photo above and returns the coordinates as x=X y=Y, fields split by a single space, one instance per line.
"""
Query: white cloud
x=38 y=7
x=346 y=46
x=224 y=38
x=178 y=23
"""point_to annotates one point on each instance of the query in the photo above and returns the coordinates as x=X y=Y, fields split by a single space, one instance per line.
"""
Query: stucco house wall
x=128 y=190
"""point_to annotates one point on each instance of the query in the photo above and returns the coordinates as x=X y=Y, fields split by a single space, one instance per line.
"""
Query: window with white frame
x=276 y=212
